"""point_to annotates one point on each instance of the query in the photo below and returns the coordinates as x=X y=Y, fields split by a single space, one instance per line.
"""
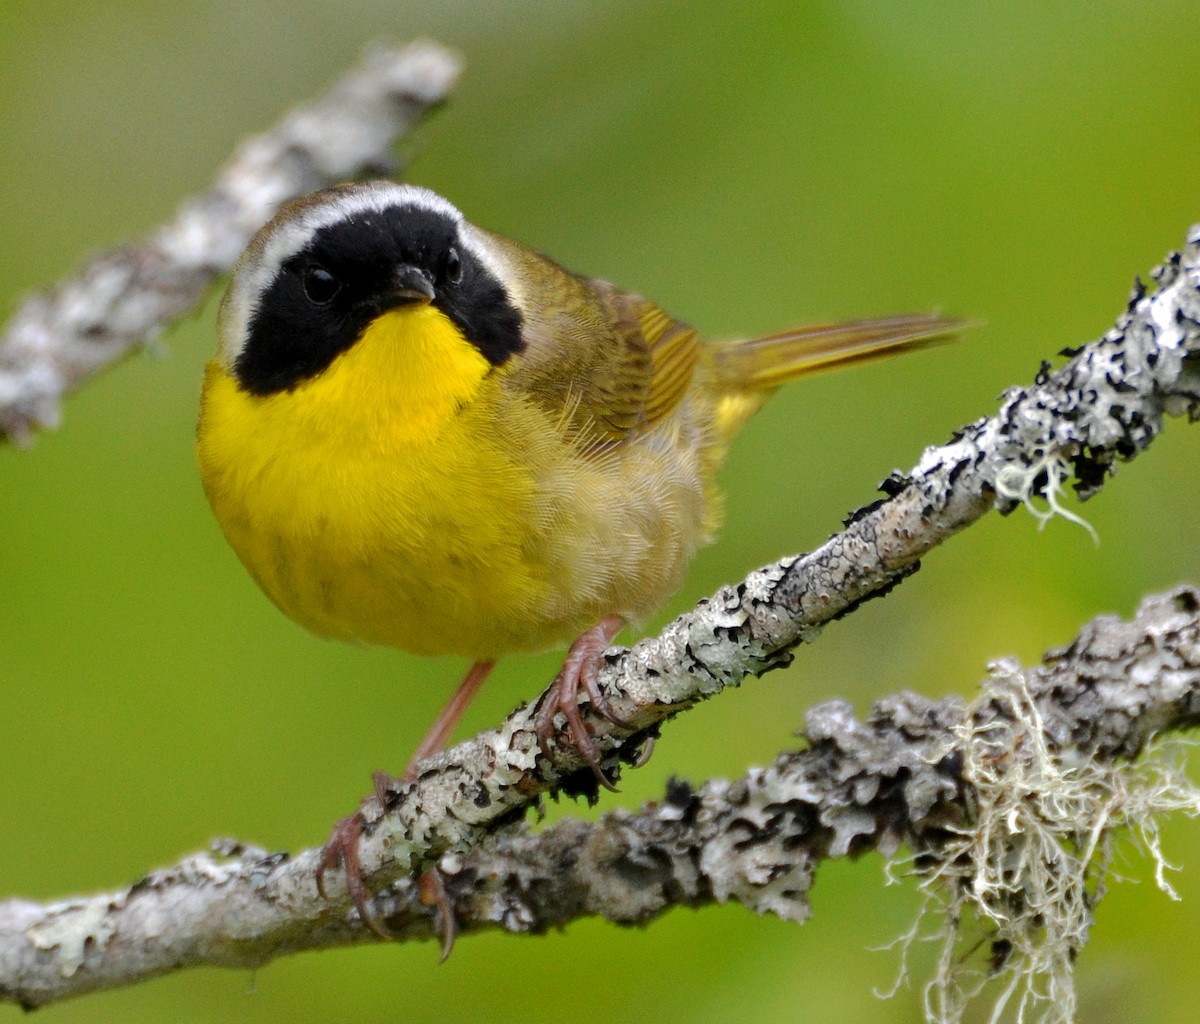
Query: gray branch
x=893 y=779
x=126 y=297
x=896 y=778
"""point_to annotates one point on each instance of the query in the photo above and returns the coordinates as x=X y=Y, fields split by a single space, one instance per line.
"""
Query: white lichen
x=1021 y=483
x=74 y=926
x=1009 y=900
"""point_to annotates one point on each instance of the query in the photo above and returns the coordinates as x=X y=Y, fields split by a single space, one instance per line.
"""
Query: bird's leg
x=342 y=845
x=581 y=668
x=439 y=733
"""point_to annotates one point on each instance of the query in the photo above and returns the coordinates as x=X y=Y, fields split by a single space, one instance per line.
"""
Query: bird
x=421 y=434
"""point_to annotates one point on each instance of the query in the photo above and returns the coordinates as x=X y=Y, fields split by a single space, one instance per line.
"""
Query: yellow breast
x=405 y=497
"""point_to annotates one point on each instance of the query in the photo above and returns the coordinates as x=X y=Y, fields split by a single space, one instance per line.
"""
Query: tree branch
x=125 y=297
x=897 y=778
x=1107 y=403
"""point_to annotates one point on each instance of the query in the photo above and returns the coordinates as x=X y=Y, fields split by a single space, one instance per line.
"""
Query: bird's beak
x=411 y=284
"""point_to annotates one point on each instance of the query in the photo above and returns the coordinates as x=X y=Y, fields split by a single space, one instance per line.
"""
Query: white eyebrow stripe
x=279 y=242
x=495 y=263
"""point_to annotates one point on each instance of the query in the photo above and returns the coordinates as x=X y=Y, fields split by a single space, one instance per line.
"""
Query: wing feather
x=614 y=363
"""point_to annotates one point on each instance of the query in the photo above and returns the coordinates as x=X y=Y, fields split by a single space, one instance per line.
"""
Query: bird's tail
x=750 y=370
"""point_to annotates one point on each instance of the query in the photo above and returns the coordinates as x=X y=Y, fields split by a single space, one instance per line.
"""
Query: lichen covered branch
x=916 y=772
x=126 y=297
x=1106 y=403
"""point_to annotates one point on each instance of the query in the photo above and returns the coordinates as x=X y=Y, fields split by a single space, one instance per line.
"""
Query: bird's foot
x=342 y=845
x=581 y=670
x=342 y=848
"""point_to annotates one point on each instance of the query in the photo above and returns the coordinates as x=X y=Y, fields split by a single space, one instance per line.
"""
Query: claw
x=581 y=669
x=342 y=848
x=644 y=754
x=342 y=845
x=432 y=886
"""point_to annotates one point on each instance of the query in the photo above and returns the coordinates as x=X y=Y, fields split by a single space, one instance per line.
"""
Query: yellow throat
x=346 y=496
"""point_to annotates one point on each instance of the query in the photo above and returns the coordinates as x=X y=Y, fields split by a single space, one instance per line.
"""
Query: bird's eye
x=453 y=266
x=320 y=286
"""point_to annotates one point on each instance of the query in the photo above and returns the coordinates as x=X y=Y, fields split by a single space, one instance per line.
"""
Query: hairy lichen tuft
x=1009 y=898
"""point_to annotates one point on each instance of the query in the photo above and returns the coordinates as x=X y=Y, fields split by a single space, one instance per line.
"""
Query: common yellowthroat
x=421 y=434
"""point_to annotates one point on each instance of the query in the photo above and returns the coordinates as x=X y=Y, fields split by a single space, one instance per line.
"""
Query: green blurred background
x=749 y=166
